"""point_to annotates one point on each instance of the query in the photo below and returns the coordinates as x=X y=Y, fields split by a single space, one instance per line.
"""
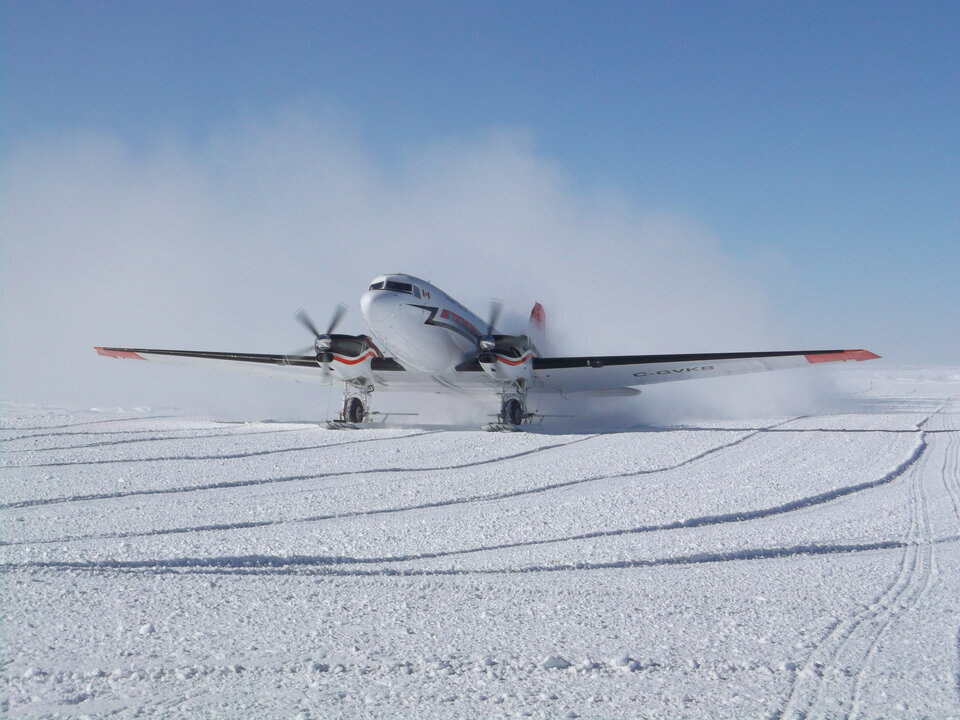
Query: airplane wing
x=600 y=373
x=559 y=374
x=387 y=373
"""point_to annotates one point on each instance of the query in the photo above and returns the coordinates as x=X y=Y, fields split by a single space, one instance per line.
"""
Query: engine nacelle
x=510 y=359
x=349 y=356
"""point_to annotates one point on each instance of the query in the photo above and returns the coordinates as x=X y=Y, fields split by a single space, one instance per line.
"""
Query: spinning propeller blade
x=320 y=348
x=496 y=307
x=338 y=312
x=305 y=320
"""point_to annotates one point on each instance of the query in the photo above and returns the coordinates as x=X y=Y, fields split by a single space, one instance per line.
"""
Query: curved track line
x=293 y=478
x=75 y=433
x=830 y=431
x=197 y=435
x=703 y=521
x=951 y=472
x=922 y=581
x=90 y=422
x=321 y=565
x=228 y=456
x=835 y=667
x=316 y=518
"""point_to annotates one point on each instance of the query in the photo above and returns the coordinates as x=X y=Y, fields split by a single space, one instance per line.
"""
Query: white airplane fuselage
x=419 y=325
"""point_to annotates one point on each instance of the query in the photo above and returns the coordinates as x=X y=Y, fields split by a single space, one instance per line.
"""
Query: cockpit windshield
x=399 y=287
x=394 y=286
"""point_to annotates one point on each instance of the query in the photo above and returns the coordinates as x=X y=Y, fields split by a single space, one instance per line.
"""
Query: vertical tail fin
x=538 y=327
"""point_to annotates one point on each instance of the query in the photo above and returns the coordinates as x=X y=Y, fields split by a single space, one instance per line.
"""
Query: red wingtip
x=114 y=353
x=843 y=355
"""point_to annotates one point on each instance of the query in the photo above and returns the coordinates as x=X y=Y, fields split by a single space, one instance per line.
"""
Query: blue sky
x=819 y=143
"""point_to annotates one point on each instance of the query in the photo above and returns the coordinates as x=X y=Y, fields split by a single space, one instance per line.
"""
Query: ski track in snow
x=424 y=506
x=220 y=456
x=183 y=435
x=295 y=478
x=132 y=418
x=829 y=684
x=272 y=565
x=848 y=572
x=703 y=521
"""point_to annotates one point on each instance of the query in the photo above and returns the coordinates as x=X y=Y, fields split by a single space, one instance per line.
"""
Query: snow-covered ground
x=770 y=567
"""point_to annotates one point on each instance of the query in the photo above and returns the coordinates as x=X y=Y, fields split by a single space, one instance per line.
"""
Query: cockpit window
x=377 y=286
x=398 y=287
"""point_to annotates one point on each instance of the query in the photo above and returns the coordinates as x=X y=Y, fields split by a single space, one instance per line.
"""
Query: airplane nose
x=376 y=306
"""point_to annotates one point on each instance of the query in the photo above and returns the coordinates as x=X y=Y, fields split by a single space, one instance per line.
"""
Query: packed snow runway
x=781 y=567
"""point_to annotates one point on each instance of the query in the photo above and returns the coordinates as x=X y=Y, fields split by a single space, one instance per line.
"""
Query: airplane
x=423 y=340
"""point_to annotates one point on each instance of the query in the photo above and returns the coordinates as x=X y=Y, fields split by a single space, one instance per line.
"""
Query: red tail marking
x=538 y=317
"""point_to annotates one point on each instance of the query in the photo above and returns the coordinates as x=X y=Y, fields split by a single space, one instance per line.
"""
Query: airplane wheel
x=512 y=412
x=353 y=411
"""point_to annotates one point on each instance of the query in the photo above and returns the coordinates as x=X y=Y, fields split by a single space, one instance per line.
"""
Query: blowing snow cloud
x=215 y=246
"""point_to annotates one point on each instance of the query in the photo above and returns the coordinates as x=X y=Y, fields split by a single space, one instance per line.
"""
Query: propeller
x=488 y=342
x=338 y=312
x=323 y=343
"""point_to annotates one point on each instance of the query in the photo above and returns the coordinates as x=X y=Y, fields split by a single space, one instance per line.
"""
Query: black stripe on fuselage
x=449 y=326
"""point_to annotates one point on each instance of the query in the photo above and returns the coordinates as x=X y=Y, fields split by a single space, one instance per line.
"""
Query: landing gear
x=356 y=406
x=513 y=409
x=353 y=411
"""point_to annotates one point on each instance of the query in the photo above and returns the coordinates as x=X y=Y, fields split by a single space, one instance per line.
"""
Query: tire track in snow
x=66 y=463
x=830 y=431
x=290 y=478
x=358 y=513
x=326 y=565
x=228 y=456
x=703 y=521
x=77 y=433
x=830 y=683
x=927 y=575
x=951 y=471
x=956 y=675
x=195 y=435
x=88 y=422
x=689 y=523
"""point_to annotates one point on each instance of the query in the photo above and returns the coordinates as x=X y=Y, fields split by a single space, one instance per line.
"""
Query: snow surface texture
x=776 y=567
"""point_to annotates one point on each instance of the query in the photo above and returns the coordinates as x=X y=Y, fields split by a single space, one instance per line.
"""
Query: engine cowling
x=348 y=357
x=507 y=358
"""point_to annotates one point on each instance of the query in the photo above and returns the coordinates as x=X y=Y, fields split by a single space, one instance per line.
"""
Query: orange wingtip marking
x=107 y=352
x=857 y=355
